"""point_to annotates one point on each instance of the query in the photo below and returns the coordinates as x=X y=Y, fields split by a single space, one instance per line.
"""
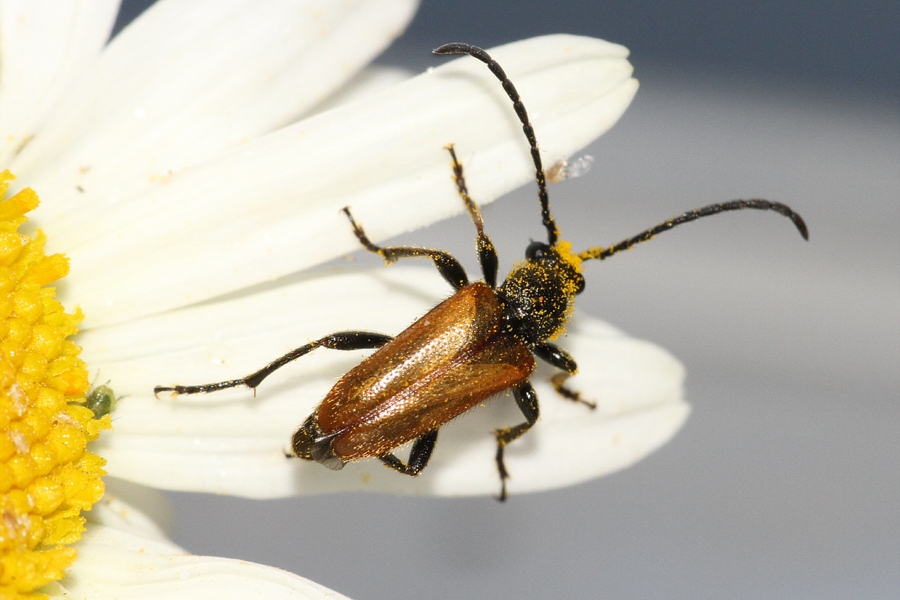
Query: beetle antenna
x=600 y=253
x=510 y=89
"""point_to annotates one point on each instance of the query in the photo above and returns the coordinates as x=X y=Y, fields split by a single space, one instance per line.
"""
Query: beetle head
x=539 y=293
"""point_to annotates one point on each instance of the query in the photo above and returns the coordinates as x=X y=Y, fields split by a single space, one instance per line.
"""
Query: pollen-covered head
x=539 y=293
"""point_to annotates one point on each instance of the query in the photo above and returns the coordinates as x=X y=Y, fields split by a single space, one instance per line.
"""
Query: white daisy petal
x=44 y=46
x=133 y=508
x=117 y=564
x=189 y=80
x=367 y=83
x=273 y=207
x=234 y=443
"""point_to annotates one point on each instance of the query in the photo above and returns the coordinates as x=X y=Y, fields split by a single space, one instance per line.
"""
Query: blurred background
x=785 y=482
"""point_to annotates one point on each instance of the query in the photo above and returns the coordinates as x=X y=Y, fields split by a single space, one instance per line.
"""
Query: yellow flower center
x=46 y=476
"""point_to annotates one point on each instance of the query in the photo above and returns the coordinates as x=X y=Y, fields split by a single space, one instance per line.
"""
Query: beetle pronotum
x=479 y=342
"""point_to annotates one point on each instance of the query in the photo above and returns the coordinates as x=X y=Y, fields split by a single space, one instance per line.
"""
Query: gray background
x=785 y=482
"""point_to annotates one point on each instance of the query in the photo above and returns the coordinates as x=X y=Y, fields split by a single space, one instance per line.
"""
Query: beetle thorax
x=539 y=293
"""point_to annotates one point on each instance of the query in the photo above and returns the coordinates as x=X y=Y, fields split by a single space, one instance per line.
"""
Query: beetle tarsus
x=527 y=401
x=198 y=389
x=504 y=475
x=558 y=382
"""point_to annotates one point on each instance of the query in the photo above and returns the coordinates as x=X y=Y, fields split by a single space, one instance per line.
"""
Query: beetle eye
x=536 y=250
x=580 y=284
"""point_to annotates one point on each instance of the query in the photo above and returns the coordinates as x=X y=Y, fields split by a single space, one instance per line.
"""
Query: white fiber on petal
x=273 y=206
x=44 y=47
x=191 y=80
x=117 y=564
x=232 y=442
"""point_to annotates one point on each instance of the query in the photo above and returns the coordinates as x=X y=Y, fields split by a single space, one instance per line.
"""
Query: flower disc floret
x=46 y=476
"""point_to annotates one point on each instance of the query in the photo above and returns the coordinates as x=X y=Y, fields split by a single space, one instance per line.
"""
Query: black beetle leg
x=527 y=401
x=447 y=266
x=561 y=359
x=342 y=340
x=418 y=456
x=487 y=254
x=558 y=381
x=556 y=356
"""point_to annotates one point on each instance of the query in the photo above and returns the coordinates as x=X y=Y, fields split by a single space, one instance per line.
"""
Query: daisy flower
x=193 y=171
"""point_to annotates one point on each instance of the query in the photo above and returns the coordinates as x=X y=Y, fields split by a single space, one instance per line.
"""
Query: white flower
x=124 y=551
x=192 y=169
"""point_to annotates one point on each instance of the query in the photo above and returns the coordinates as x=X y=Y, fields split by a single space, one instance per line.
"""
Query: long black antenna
x=600 y=252
x=497 y=70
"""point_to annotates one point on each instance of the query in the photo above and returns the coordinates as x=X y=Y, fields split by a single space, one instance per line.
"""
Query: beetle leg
x=527 y=401
x=447 y=266
x=561 y=359
x=418 y=456
x=556 y=356
x=487 y=254
x=559 y=380
x=342 y=340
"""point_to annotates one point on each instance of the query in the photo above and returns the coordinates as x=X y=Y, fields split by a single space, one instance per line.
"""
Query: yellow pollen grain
x=564 y=249
x=570 y=287
x=47 y=478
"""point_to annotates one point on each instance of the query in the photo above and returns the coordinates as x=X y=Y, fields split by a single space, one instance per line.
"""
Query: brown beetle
x=479 y=342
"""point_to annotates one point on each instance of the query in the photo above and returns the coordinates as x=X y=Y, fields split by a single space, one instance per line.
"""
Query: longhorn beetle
x=479 y=342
